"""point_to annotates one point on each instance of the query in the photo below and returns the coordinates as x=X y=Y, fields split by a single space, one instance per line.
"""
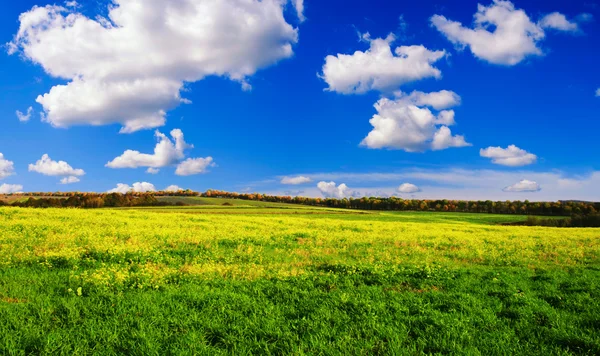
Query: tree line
x=100 y=200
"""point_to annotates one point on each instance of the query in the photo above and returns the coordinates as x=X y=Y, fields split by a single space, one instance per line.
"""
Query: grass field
x=254 y=279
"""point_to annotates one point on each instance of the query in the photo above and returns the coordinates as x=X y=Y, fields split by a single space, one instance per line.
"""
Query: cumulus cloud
x=408 y=188
x=168 y=152
x=501 y=33
x=69 y=180
x=295 y=180
x=378 y=68
x=173 y=188
x=523 y=186
x=130 y=68
x=511 y=156
x=48 y=167
x=331 y=190
x=406 y=123
x=558 y=21
x=7 y=167
x=24 y=117
x=193 y=166
x=139 y=187
x=10 y=188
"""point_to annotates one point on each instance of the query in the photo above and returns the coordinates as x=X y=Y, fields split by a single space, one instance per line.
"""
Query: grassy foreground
x=203 y=281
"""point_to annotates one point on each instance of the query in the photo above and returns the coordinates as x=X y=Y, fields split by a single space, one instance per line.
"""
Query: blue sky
x=262 y=105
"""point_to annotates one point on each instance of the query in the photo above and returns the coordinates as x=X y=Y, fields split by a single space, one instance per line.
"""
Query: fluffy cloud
x=24 y=117
x=511 y=156
x=558 y=21
x=69 y=180
x=408 y=188
x=6 y=167
x=193 y=166
x=331 y=190
x=10 y=188
x=48 y=167
x=139 y=187
x=295 y=180
x=173 y=188
x=502 y=34
x=406 y=123
x=130 y=68
x=378 y=68
x=168 y=152
x=523 y=186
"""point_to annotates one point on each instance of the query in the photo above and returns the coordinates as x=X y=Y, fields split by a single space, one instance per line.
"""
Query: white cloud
x=69 y=180
x=598 y=92
x=524 y=186
x=72 y=4
x=558 y=21
x=7 y=167
x=299 y=6
x=511 y=156
x=501 y=34
x=440 y=100
x=10 y=188
x=378 y=68
x=173 y=188
x=152 y=170
x=130 y=68
x=139 y=187
x=166 y=153
x=405 y=123
x=464 y=184
x=24 y=117
x=295 y=180
x=331 y=190
x=193 y=166
x=408 y=188
x=48 y=167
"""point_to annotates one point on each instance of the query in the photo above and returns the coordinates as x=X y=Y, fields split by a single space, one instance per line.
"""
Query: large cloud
x=139 y=187
x=48 y=167
x=7 y=167
x=129 y=68
x=406 y=123
x=502 y=34
x=511 y=156
x=378 y=68
x=10 y=188
x=168 y=152
x=331 y=190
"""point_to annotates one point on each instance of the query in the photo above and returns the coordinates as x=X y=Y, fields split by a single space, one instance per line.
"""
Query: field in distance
x=273 y=278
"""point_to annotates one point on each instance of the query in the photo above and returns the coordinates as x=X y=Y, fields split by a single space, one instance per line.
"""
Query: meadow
x=270 y=278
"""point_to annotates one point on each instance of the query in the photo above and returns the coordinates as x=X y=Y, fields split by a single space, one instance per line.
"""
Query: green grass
x=165 y=281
